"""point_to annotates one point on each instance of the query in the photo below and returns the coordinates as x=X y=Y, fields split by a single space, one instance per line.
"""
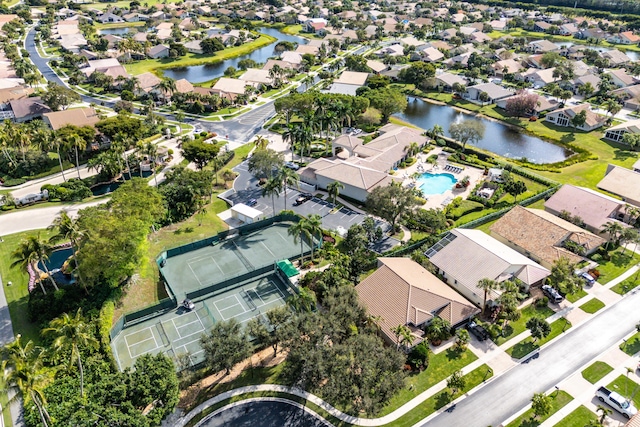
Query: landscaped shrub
x=12 y=182
x=418 y=358
x=72 y=190
x=542 y=302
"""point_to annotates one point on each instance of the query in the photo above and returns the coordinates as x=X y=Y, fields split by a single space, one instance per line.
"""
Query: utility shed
x=245 y=213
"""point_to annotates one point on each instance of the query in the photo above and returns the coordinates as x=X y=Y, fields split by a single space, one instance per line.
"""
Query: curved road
x=264 y=413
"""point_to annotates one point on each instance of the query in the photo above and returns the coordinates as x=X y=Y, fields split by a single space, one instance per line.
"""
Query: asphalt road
x=264 y=414
x=505 y=395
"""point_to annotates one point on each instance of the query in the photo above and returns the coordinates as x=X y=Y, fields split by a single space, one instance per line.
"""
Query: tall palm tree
x=71 y=332
x=22 y=372
x=299 y=231
x=68 y=229
x=436 y=131
x=413 y=149
x=105 y=163
x=401 y=332
x=287 y=177
x=486 y=285
x=334 y=190
x=30 y=250
x=272 y=188
x=314 y=224
x=76 y=141
x=290 y=135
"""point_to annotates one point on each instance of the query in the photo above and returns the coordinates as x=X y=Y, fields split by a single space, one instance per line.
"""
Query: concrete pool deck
x=441 y=200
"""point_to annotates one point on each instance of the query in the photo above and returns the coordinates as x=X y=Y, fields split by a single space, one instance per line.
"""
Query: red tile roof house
x=402 y=292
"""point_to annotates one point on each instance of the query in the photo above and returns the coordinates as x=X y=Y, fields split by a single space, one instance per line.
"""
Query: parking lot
x=246 y=188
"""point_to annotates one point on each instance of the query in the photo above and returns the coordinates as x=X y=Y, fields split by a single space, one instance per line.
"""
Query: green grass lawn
x=580 y=417
x=626 y=285
x=558 y=400
x=575 y=297
x=632 y=346
x=626 y=387
x=528 y=345
x=154 y=65
x=518 y=326
x=441 y=366
x=592 y=306
x=620 y=262
x=17 y=294
x=100 y=26
x=596 y=371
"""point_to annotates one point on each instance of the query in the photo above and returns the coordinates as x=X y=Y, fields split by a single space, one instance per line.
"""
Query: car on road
x=303 y=197
x=251 y=202
x=586 y=277
x=477 y=330
x=291 y=166
x=552 y=294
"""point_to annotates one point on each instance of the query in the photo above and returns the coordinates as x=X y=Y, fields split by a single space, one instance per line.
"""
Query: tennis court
x=228 y=259
x=178 y=332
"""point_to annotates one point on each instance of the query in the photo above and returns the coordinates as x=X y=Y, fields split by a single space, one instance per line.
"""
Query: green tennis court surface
x=231 y=258
x=178 y=332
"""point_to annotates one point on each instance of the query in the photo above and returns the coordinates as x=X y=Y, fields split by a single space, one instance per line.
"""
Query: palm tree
x=314 y=224
x=76 y=141
x=604 y=412
x=68 y=229
x=261 y=142
x=334 y=190
x=299 y=230
x=612 y=106
x=486 y=285
x=413 y=149
x=287 y=177
x=403 y=335
x=307 y=81
x=71 y=332
x=106 y=163
x=22 y=372
x=612 y=228
x=628 y=235
x=291 y=135
x=166 y=87
x=272 y=188
x=32 y=250
x=303 y=301
x=436 y=131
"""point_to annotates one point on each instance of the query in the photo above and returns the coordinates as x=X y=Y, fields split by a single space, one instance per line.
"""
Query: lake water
x=119 y=31
x=203 y=73
x=498 y=138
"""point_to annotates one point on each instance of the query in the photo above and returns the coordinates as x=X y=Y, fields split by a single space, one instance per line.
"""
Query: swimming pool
x=435 y=183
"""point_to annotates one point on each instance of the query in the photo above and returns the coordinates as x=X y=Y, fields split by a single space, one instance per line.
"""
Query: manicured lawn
x=518 y=326
x=575 y=297
x=125 y=4
x=580 y=417
x=618 y=264
x=100 y=26
x=626 y=285
x=441 y=366
x=558 y=400
x=528 y=345
x=626 y=387
x=596 y=371
x=632 y=345
x=592 y=306
x=139 y=67
x=17 y=294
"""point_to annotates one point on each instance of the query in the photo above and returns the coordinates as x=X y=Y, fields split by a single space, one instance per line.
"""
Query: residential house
x=615 y=57
x=479 y=37
x=193 y=46
x=506 y=66
x=538 y=78
x=615 y=133
x=348 y=82
x=86 y=116
x=402 y=292
x=541 y=26
x=376 y=66
x=315 y=26
x=391 y=50
x=229 y=88
x=109 y=18
x=12 y=94
x=257 y=77
x=445 y=81
x=591 y=208
x=630 y=95
x=27 y=109
x=430 y=54
x=463 y=257
x=622 y=182
x=493 y=93
x=147 y=83
x=543 y=104
x=620 y=78
x=158 y=51
x=501 y=24
x=543 y=237
x=542 y=46
x=568 y=29
x=592 y=79
x=592 y=33
x=563 y=117
x=625 y=37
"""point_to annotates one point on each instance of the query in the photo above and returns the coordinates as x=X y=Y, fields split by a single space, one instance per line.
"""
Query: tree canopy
x=392 y=201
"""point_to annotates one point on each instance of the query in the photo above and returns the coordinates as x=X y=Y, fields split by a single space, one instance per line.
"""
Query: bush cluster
x=70 y=191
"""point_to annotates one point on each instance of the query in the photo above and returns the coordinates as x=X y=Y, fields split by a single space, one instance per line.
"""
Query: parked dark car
x=252 y=202
x=552 y=294
x=586 y=277
x=303 y=197
x=477 y=330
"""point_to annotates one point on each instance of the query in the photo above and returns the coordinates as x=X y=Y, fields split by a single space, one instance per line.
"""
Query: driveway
x=246 y=187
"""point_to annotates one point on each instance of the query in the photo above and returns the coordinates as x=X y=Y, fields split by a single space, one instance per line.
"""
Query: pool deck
x=441 y=200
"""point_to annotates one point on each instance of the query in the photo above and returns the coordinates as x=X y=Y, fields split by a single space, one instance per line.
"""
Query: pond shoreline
x=511 y=126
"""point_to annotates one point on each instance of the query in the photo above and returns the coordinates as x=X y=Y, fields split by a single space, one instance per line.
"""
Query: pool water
x=54 y=265
x=435 y=183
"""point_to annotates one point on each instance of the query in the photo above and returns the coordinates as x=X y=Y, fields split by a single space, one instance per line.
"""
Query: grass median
x=596 y=371
x=558 y=400
x=528 y=345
